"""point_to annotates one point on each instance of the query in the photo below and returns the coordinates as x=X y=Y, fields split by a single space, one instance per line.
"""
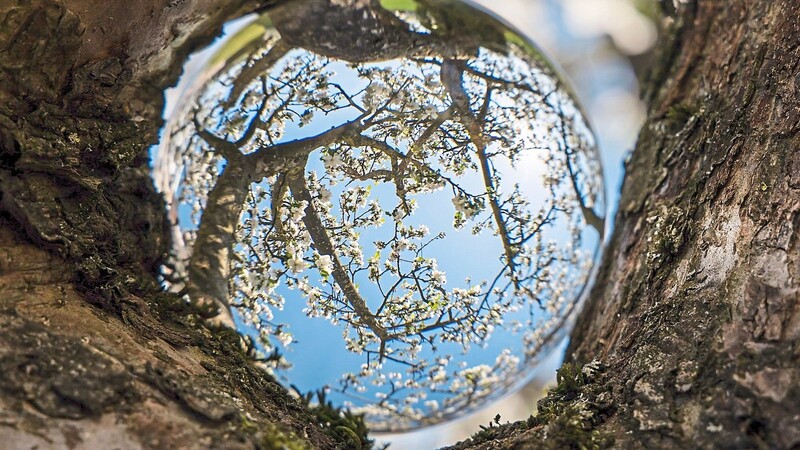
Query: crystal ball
x=400 y=201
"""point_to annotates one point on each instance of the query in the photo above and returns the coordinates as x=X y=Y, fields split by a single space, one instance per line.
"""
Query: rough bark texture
x=690 y=337
x=92 y=354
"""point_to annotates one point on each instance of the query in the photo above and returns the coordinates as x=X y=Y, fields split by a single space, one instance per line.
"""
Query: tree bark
x=689 y=338
x=92 y=353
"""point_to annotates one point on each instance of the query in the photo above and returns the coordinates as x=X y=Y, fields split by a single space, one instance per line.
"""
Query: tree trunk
x=689 y=339
x=92 y=354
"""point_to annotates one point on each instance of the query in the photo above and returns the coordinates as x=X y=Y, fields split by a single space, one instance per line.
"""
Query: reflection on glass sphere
x=400 y=201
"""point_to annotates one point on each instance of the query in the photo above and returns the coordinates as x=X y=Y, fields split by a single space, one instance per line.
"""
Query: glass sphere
x=400 y=200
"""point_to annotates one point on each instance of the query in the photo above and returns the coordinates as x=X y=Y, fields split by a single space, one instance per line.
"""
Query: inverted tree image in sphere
x=400 y=202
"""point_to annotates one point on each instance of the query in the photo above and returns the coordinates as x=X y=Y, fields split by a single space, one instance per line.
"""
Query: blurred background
x=599 y=44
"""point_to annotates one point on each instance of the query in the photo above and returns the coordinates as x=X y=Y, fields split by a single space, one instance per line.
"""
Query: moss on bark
x=695 y=310
x=692 y=330
x=90 y=338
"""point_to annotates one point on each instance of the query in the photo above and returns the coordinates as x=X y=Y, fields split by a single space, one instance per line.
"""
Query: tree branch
x=592 y=219
x=272 y=160
x=209 y=265
x=323 y=244
x=256 y=69
x=452 y=78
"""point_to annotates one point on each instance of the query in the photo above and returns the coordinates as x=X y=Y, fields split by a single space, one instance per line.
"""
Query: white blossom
x=296 y=264
x=325 y=264
x=438 y=277
x=374 y=201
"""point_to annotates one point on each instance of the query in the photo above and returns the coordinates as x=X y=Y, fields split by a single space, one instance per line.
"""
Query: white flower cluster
x=406 y=311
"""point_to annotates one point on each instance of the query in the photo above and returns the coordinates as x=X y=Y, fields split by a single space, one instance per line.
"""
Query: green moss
x=570 y=380
x=339 y=422
x=399 y=5
x=574 y=428
x=274 y=439
x=681 y=113
x=668 y=233
x=355 y=440
x=569 y=416
x=572 y=410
